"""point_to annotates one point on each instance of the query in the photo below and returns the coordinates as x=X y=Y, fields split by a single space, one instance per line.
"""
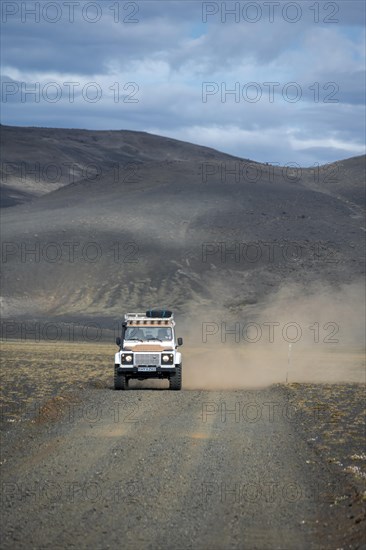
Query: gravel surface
x=153 y=469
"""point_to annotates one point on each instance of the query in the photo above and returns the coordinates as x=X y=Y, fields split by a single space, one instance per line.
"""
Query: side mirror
x=118 y=341
x=180 y=341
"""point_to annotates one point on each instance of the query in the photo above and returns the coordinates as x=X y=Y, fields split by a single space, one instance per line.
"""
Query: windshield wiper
x=148 y=340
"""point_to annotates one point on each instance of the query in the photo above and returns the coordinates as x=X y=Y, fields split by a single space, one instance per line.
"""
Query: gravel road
x=153 y=469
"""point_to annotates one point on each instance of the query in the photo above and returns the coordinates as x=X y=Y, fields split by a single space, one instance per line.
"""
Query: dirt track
x=171 y=470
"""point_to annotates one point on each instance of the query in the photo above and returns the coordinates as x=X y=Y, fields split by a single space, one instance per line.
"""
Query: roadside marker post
x=288 y=361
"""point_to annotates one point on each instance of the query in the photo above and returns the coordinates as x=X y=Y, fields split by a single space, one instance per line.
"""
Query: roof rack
x=142 y=318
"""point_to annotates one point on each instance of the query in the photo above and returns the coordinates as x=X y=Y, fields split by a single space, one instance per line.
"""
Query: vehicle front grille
x=147 y=358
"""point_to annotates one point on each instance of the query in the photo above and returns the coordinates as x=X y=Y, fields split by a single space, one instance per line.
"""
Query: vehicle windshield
x=163 y=334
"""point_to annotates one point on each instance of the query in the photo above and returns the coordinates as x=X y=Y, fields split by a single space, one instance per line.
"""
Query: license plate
x=146 y=369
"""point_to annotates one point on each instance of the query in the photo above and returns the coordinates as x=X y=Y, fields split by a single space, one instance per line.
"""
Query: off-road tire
x=175 y=381
x=120 y=381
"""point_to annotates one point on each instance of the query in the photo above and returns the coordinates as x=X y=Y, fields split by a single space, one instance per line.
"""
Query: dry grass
x=333 y=418
x=33 y=373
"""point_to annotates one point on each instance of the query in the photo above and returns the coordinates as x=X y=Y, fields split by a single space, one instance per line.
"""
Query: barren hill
x=162 y=222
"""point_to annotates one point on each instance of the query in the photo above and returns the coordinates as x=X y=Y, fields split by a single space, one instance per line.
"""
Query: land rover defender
x=148 y=349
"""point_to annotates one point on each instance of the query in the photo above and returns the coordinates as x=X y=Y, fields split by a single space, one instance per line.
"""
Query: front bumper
x=135 y=370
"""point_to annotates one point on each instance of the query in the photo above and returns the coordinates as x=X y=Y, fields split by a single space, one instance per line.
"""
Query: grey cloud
x=190 y=52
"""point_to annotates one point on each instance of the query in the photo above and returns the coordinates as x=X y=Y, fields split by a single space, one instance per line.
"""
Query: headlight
x=127 y=358
x=168 y=359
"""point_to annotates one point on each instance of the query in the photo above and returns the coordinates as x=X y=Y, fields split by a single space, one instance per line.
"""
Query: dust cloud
x=311 y=335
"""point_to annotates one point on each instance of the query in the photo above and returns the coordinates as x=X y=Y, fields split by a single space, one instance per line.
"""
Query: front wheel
x=175 y=381
x=120 y=380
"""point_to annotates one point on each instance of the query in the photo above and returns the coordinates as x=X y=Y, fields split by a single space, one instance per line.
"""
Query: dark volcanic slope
x=36 y=161
x=162 y=232
x=344 y=179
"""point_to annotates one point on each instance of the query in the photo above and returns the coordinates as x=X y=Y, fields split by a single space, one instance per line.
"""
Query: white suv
x=148 y=349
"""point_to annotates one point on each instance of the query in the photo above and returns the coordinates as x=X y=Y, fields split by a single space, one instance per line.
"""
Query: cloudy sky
x=270 y=81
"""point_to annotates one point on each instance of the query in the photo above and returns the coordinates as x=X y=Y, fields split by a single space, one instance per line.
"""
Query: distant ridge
x=176 y=223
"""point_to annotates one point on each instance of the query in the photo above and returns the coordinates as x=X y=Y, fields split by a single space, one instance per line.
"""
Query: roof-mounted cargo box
x=159 y=314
